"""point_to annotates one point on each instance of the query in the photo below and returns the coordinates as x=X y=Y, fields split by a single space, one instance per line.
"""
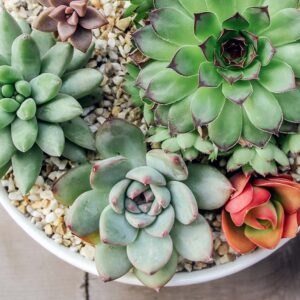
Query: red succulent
x=71 y=19
x=261 y=212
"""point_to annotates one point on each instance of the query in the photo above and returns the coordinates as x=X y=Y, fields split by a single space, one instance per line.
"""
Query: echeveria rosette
x=231 y=67
x=147 y=204
x=40 y=82
x=72 y=20
x=261 y=212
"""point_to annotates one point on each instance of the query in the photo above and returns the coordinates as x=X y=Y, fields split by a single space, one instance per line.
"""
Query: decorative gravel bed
x=111 y=55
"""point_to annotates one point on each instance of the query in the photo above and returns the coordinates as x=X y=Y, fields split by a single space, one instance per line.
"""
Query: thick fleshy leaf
x=9 y=75
x=169 y=164
x=79 y=133
x=263 y=110
x=152 y=46
x=208 y=75
x=61 y=109
x=290 y=226
x=24 y=134
x=44 y=41
x=277 y=77
x=168 y=87
x=78 y=178
x=252 y=72
x=235 y=235
x=187 y=60
x=258 y=18
x=237 y=92
x=166 y=3
x=289 y=54
x=162 y=21
x=6 y=118
x=231 y=76
x=4 y=169
x=160 y=278
x=140 y=220
x=223 y=12
x=111 y=262
x=226 y=129
x=7 y=148
x=206 y=25
x=208 y=47
x=25 y=56
x=118 y=137
x=236 y=22
x=206 y=105
x=9 y=105
x=80 y=83
x=162 y=195
x=265 y=51
x=27 y=110
x=115 y=230
x=210 y=187
x=146 y=175
x=194 y=6
x=277 y=5
x=117 y=196
x=284 y=27
x=27 y=167
x=160 y=248
x=44 y=22
x=51 y=139
x=135 y=189
x=83 y=217
x=195 y=241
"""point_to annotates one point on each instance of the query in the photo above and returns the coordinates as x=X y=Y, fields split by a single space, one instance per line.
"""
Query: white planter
x=86 y=265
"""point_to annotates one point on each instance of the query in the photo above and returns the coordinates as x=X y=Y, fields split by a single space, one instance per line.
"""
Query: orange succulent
x=261 y=212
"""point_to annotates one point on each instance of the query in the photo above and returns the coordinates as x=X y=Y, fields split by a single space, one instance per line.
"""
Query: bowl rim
x=86 y=265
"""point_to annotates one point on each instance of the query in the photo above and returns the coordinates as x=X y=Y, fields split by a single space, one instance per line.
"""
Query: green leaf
x=74 y=153
x=161 y=114
x=78 y=178
x=61 y=109
x=9 y=75
x=168 y=87
x=4 y=169
x=187 y=60
x=24 y=134
x=146 y=175
x=111 y=262
x=231 y=76
x=25 y=56
x=160 y=248
x=258 y=18
x=206 y=25
x=27 y=110
x=193 y=242
x=23 y=87
x=208 y=75
x=252 y=72
x=275 y=6
x=265 y=51
x=140 y=220
x=180 y=32
x=44 y=40
x=237 y=92
x=57 y=59
x=194 y=6
x=277 y=77
x=168 y=3
x=207 y=103
x=51 y=139
x=208 y=48
x=148 y=42
x=27 y=167
x=236 y=22
x=7 y=148
x=79 y=133
x=284 y=27
x=226 y=129
x=9 y=105
x=222 y=11
x=118 y=137
x=6 y=118
x=263 y=110
x=80 y=83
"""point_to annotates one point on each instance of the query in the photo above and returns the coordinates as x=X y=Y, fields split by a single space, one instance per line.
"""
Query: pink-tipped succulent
x=72 y=20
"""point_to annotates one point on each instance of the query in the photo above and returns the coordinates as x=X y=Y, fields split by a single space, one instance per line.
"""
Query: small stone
x=48 y=229
x=123 y=24
x=223 y=249
x=50 y=217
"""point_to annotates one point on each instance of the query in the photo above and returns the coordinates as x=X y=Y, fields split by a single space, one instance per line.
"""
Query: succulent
x=147 y=204
x=261 y=212
x=229 y=67
x=72 y=20
x=139 y=9
x=40 y=81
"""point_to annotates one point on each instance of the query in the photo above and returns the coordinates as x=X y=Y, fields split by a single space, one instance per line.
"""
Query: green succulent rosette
x=141 y=208
x=231 y=67
x=41 y=84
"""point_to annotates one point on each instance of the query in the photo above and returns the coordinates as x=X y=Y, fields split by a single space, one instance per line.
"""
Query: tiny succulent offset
x=72 y=20
x=141 y=208
x=261 y=212
x=40 y=83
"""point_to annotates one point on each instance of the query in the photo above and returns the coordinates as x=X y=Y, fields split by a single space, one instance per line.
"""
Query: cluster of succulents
x=42 y=83
x=141 y=208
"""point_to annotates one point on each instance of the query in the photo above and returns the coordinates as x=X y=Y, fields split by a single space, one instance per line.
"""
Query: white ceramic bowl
x=86 y=265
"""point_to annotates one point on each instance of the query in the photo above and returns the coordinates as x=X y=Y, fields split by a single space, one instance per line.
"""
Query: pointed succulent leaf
x=78 y=179
x=61 y=109
x=203 y=146
x=57 y=59
x=208 y=47
x=222 y=12
x=148 y=42
x=252 y=72
x=161 y=114
x=194 y=241
x=210 y=187
x=132 y=206
x=83 y=217
x=160 y=248
x=262 y=166
x=27 y=167
x=242 y=156
x=184 y=202
x=258 y=18
x=161 y=134
x=80 y=83
x=208 y=75
x=51 y=139
x=140 y=220
x=162 y=195
x=79 y=133
x=146 y=175
x=27 y=110
x=44 y=41
x=169 y=164
x=186 y=140
x=135 y=189
x=24 y=134
x=289 y=54
x=7 y=148
x=25 y=56
x=111 y=262
x=194 y=6
x=155 y=209
x=236 y=22
x=115 y=230
x=170 y=145
x=265 y=51
x=168 y=80
x=117 y=137
x=277 y=5
x=206 y=25
x=4 y=169
x=9 y=75
x=237 y=92
x=117 y=196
